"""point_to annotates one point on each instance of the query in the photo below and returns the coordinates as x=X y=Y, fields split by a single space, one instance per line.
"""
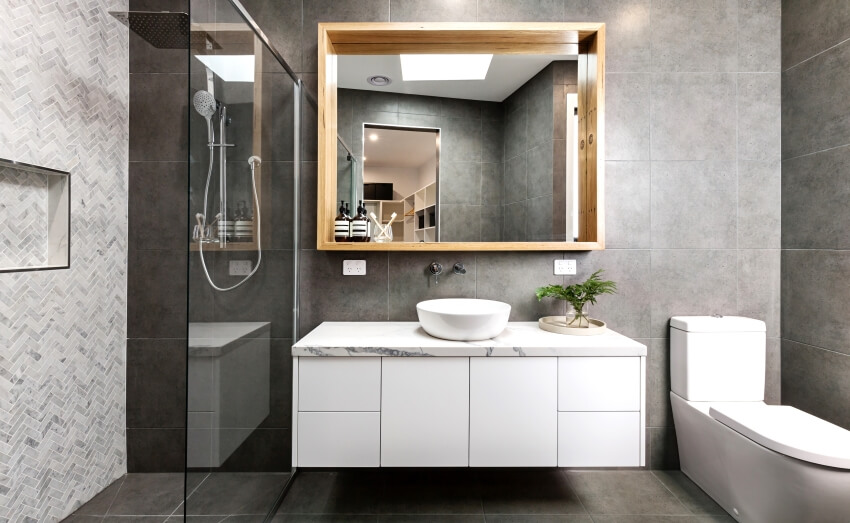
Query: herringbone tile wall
x=64 y=104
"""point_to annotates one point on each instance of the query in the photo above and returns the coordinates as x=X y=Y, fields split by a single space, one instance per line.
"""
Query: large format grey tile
x=627 y=30
x=330 y=296
x=265 y=450
x=540 y=222
x=628 y=311
x=816 y=298
x=760 y=205
x=624 y=492
x=662 y=519
x=516 y=179
x=815 y=193
x=659 y=411
x=224 y=493
x=316 y=11
x=460 y=182
x=159 y=128
x=156 y=383
x=688 y=493
x=709 y=130
x=430 y=491
x=460 y=140
x=100 y=503
x=316 y=518
x=540 y=170
x=520 y=10
x=513 y=222
x=815 y=108
x=663 y=449
x=691 y=282
x=148 y=495
x=424 y=105
x=800 y=41
x=627 y=116
x=627 y=195
x=528 y=492
x=516 y=123
x=694 y=35
x=157 y=204
x=759 y=35
x=523 y=518
x=342 y=492
x=694 y=205
x=759 y=280
x=491 y=183
x=759 y=103
x=285 y=32
x=513 y=278
x=156 y=450
x=815 y=380
x=410 y=283
x=156 y=304
x=460 y=108
x=460 y=222
x=308 y=196
x=259 y=298
x=773 y=372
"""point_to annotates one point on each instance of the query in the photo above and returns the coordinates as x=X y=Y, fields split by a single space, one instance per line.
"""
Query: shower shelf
x=36 y=215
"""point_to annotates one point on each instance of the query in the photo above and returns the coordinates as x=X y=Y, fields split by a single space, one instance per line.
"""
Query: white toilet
x=762 y=463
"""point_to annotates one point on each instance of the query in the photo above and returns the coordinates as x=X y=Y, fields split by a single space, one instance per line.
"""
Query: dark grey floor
x=405 y=495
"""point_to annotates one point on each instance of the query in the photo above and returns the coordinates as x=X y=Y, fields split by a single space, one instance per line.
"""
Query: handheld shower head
x=204 y=103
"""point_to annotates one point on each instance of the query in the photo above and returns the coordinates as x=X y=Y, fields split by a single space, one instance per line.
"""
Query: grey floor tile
x=426 y=491
x=525 y=518
x=73 y=518
x=688 y=493
x=99 y=505
x=624 y=492
x=134 y=519
x=318 y=518
x=528 y=492
x=354 y=492
x=226 y=493
x=431 y=518
x=651 y=519
x=148 y=495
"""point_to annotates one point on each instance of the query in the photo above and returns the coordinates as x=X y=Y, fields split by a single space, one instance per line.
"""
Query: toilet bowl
x=761 y=463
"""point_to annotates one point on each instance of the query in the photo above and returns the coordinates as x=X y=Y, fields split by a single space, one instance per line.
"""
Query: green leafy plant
x=579 y=294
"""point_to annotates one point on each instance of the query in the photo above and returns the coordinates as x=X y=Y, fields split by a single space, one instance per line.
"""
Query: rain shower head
x=165 y=30
x=205 y=104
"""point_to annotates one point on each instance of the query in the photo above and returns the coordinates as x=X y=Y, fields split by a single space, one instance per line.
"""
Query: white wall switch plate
x=354 y=267
x=240 y=267
x=565 y=267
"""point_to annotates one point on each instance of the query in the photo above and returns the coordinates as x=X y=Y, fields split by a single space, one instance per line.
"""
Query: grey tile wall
x=63 y=104
x=684 y=107
x=815 y=263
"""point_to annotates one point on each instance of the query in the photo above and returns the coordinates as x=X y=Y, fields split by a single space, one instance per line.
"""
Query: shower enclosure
x=244 y=125
x=242 y=231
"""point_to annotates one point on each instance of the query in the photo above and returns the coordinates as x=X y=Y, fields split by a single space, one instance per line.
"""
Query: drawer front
x=599 y=384
x=599 y=439
x=339 y=439
x=343 y=384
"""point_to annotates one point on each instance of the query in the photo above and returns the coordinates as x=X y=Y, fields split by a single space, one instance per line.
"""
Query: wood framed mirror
x=340 y=159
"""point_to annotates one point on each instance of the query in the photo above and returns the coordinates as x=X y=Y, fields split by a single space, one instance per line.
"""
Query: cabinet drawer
x=599 y=384
x=343 y=384
x=599 y=439
x=339 y=439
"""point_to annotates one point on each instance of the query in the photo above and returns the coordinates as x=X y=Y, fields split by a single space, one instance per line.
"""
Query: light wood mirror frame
x=585 y=39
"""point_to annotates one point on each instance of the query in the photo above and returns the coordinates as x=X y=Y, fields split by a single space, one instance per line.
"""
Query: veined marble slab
x=520 y=338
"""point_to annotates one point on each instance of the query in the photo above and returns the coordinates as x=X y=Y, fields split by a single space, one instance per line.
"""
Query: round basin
x=463 y=319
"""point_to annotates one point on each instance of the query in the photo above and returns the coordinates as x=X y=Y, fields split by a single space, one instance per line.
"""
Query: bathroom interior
x=172 y=263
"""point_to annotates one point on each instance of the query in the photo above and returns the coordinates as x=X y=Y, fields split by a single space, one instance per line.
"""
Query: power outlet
x=240 y=267
x=565 y=267
x=354 y=267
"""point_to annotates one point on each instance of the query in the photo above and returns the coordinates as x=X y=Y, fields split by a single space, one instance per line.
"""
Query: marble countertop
x=522 y=338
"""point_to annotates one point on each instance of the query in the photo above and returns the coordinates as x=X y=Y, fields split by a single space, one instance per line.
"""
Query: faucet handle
x=435 y=268
x=458 y=268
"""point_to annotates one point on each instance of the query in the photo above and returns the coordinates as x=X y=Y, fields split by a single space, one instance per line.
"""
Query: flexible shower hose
x=259 y=222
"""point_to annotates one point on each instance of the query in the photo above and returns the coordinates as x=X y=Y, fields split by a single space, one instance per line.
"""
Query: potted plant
x=578 y=295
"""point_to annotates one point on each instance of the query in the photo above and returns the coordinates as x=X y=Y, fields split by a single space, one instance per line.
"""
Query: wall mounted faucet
x=436 y=270
x=458 y=268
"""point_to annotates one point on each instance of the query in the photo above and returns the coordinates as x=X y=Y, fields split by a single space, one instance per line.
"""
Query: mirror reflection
x=500 y=154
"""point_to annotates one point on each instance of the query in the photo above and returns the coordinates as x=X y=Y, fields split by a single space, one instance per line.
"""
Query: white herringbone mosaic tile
x=64 y=90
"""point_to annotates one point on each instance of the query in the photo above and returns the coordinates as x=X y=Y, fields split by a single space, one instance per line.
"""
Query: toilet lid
x=788 y=431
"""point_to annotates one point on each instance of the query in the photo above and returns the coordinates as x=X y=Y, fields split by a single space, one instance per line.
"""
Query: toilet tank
x=717 y=358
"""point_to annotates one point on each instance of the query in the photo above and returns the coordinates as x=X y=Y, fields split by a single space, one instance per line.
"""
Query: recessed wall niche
x=36 y=218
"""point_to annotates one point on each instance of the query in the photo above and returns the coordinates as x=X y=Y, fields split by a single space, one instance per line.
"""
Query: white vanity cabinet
x=387 y=394
x=425 y=412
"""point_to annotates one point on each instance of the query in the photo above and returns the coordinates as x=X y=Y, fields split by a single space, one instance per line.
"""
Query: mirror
x=510 y=161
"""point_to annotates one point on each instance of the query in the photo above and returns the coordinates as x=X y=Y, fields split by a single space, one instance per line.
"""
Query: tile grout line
x=124 y=477
x=673 y=493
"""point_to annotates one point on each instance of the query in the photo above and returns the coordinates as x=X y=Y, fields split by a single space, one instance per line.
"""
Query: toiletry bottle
x=359 y=225
x=342 y=225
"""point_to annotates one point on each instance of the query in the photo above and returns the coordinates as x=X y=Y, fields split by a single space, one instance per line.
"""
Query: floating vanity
x=386 y=394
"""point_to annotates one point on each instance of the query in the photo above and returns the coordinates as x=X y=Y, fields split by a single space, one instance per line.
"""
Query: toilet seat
x=788 y=431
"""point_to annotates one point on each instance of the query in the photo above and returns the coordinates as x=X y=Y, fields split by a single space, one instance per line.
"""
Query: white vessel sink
x=463 y=319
